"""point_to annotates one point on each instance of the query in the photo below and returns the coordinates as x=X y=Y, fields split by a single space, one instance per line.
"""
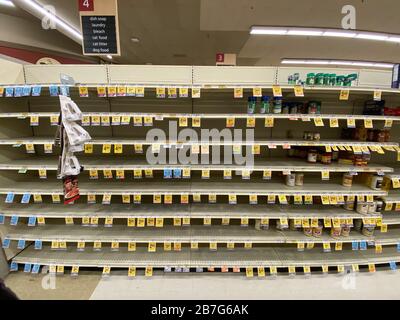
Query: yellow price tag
x=327 y=223
x=167 y=246
x=141 y=222
x=152 y=247
x=388 y=123
x=48 y=148
x=249 y=272
x=333 y=123
x=277 y=91
x=148 y=272
x=251 y=122
x=150 y=222
x=325 y=269
x=338 y=246
x=232 y=199
x=168 y=199
x=120 y=174
x=183 y=121
x=368 y=123
x=269 y=122
x=132 y=272
x=194 y=245
x=126 y=198
x=257 y=92
x=371 y=267
x=177 y=222
x=271 y=199
x=213 y=246
x=177 y=246
x=196 y=92
x=196 y=122
x=388 y=206
x=378 y=248
x=292 y=269
x=325 y=175
x=105 y=120
x=298 y=91
x=344 y=94
x=261 y=271
x=157 y=198
x=396 y=183
x=238 y=93
x=230 y=122
x=377 y=95
x=282 y=199
x=183 y=92
x=318 y=122
x=97 y=245
x=325 y=199
x=384 y=227
x=160 y=92
x=340 y=268
x=333 y=200
x=159 y=222
x=355 y=267
x=131 y=246
x=106 y=148
x=88 y=148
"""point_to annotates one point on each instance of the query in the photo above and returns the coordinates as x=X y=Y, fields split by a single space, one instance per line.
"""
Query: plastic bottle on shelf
x=266 y=104
x=277 y=105
x=251 y=105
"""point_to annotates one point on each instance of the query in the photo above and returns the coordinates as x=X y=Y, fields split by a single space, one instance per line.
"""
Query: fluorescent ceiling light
x=7 y=3
x=340 y=34
x=321 y=32
x=266 y=30
x=371 y=64
x=66 y=27
x=299 y=32
x=394 y=39
x=371 y=36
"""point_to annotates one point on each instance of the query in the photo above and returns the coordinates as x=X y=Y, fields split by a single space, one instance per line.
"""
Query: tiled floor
x=381 y=285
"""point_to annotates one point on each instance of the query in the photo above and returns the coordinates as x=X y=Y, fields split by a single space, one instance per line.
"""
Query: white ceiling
x=192 y=31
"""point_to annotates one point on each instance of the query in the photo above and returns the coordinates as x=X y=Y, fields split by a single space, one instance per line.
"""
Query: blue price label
x=27 y=267
x=53 y=91
x=21 y=244
x=18 y=92
x=198 y=269
x=10 y=197
x=32 y=221
x=65 y=91
x=38 y=244
x=9 y=92
x=14 y=220
x=36 y=91
x=167 y=269
x=177 y=173
x=2 y=218
x=36 y=268
x=14 y=266
x=167 y=173
x=26 y=197
x=178 y=269
x=393 y=265
x=6 y=243
x=363 y=245
x=354 y=245
x=26 y=91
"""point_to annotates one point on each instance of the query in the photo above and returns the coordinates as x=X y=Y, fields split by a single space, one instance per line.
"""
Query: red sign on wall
x=219 y=57
x=86 y=5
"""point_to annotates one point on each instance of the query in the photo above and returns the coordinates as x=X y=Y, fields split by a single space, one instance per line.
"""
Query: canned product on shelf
x=368 y=231
x=362 y=207
x=347 y=180
x=290 y=180
x=317 y=231
x=308 y=232
x=312 y=156
x=299 y=179
x=336 y=232
x=345 y=231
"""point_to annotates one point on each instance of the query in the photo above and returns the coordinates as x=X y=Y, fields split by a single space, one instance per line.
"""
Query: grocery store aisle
x=381 y=285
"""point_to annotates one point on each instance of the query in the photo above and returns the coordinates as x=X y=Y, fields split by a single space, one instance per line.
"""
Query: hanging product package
x=71 y=138
x=71 y=189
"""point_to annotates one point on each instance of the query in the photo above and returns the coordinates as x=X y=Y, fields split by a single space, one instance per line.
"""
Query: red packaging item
x=71 y=189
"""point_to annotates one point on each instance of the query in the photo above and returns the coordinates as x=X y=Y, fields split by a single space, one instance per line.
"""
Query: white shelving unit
x=193 y=231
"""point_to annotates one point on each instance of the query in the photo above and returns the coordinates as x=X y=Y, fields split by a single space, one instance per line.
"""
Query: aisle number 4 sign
x=100 y=28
